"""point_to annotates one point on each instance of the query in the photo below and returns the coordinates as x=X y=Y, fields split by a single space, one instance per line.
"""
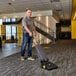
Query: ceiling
x=62 y=8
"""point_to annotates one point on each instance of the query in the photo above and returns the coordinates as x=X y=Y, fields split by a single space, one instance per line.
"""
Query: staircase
x=49 y=35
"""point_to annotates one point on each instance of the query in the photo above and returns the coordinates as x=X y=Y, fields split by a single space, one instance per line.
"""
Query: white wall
x=22 y=14
x=52 y=23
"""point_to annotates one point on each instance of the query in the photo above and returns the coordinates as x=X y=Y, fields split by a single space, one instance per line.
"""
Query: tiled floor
x=63 y=54
x=9 y=49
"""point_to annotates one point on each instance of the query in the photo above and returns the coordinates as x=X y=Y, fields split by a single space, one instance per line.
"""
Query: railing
x=43 y=26
x=45 y=29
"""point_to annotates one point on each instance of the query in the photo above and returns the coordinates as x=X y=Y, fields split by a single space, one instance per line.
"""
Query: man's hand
x=30 y=34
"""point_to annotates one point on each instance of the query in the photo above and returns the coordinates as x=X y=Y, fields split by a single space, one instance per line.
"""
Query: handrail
x=44 y=25
x=51 y=30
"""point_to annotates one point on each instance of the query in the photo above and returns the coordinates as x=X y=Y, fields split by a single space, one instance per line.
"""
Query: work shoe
x=30 y=58
x=22 y=58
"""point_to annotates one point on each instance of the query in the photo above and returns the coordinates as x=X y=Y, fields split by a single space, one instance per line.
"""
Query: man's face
x=28 y=13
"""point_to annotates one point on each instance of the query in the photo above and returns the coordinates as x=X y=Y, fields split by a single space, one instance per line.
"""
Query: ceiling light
x=16 y=16
x=13 y=0
x=4 y=17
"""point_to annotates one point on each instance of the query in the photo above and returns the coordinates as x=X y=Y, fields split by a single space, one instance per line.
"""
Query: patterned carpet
x=63 y=54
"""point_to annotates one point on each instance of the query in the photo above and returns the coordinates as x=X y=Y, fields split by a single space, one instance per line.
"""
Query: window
x=4 y=20
x=14 y=31
x=13 y=19
x=8 y=32
x=7 y=19
x=0 y=21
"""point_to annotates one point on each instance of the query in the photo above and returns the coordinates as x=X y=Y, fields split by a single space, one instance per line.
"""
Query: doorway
x=11 y=34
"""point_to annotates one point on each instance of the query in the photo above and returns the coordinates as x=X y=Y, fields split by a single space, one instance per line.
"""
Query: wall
x=65 y=29
x=37 y=13
x=52 y=23
x=19 y=32
x=0 y=30
x=73 y=29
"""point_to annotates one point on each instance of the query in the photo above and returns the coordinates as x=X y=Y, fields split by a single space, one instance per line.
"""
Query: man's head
x=28 y=12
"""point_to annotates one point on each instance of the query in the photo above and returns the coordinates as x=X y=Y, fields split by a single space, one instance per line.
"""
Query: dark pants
x=26 y=40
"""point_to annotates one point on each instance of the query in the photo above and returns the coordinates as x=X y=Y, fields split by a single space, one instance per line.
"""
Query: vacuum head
x=48 y=65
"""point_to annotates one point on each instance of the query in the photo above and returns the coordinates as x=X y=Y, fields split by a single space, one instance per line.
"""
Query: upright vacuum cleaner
x=45 y=63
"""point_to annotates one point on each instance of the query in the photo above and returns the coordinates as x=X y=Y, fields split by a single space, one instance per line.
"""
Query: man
x=28 y=27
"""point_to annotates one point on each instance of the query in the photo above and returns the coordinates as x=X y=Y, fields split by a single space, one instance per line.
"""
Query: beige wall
x=65 y=29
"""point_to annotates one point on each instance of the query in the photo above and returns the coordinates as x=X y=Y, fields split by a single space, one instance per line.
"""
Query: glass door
x=11 y=33
x=8 y=32
x=14 y=32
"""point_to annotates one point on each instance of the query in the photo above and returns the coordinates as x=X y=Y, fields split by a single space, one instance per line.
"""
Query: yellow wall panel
x=0 y=30
x=73 y=29
x=3 y=33
x=3 y=30
x=19 y=33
